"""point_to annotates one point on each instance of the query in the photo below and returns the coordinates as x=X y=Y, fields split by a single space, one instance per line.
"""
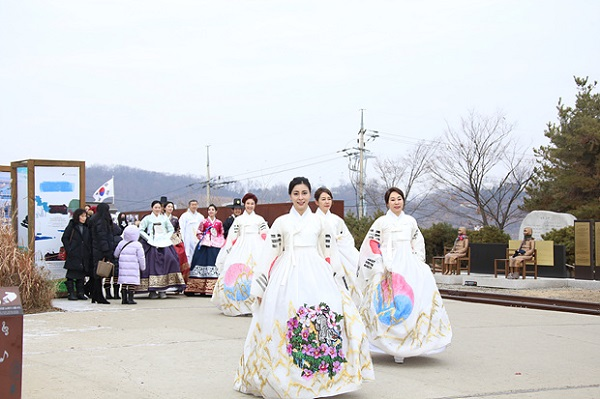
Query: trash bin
x=11 y=342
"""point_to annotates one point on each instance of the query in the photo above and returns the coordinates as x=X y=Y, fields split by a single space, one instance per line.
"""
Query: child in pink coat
x=131 y=260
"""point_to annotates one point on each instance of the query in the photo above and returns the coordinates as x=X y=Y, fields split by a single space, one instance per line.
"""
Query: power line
x=235 y=179
x=288 y=163
x=293 y=168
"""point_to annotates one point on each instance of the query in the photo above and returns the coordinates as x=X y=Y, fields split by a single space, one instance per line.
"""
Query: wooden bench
x=437 y=262
x=462 y=263
x=530 y=267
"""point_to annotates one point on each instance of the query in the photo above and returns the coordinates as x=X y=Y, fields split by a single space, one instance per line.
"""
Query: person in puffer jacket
x=131 y=260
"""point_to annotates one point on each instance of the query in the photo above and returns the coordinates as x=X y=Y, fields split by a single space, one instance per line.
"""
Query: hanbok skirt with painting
x=232 y=289
x=403 y=311
x=306 y=338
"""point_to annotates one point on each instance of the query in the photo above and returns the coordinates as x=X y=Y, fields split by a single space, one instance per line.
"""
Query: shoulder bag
x=104 y=268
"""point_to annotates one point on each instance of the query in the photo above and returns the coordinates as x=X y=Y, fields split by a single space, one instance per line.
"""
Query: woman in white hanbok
x=306 y=338
x=402 y=307
x=237 y=259
x=344 y=255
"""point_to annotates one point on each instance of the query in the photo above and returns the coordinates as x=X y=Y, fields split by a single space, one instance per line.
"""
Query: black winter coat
x=102 y=239
x=117 y=231
x=227 y=225
x=78 y=246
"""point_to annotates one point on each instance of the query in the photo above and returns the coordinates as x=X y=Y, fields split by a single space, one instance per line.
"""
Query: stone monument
x=543 y=221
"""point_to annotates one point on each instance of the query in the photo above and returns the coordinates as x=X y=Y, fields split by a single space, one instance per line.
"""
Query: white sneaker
x=162 y=295
x=399 y=360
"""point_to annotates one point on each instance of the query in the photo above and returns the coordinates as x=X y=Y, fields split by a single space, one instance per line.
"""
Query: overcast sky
x=275 y=87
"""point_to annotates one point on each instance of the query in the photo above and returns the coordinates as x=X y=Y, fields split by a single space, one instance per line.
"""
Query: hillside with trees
x=136 y=188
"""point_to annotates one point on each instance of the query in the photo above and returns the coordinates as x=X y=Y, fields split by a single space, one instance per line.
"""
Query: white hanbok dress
x=236 y=263
x=344 y=255
x=402 y=307
x=306 y=338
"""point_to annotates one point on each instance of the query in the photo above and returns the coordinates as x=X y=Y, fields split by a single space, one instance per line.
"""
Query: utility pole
x=207 y=177
x=357 y=160
x=361 y=167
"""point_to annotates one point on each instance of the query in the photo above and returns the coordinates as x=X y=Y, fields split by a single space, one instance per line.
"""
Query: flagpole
x=113 y=187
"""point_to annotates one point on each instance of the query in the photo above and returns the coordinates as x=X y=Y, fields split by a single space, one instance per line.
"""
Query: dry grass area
x=17 y=268
x=570 y=293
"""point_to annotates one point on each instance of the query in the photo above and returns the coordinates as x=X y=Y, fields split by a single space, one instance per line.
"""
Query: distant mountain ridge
x=135 y=189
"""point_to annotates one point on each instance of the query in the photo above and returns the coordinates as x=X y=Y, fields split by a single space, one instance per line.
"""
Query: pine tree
x=567 y=177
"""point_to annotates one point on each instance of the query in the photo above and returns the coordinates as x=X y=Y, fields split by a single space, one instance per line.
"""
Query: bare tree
x=405 y=173
x=482 y=170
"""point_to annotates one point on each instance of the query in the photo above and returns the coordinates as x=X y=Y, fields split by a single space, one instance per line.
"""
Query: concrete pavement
x=182 y=347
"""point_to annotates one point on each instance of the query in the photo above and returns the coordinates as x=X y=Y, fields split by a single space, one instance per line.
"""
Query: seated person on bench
x=521 y=255
x=461 y=245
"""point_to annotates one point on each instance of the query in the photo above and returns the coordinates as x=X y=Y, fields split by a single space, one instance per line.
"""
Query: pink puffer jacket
x=131 y=256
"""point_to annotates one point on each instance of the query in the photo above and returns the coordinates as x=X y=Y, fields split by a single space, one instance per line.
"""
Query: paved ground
x=182 y=347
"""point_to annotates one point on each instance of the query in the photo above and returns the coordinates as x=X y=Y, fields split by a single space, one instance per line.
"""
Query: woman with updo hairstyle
x=344 y=255
x=203 y=272
x=306 y=338
x=248 y=196
x=168 y=208
x=162 y=271
x=402 y=307
x=237 y=260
